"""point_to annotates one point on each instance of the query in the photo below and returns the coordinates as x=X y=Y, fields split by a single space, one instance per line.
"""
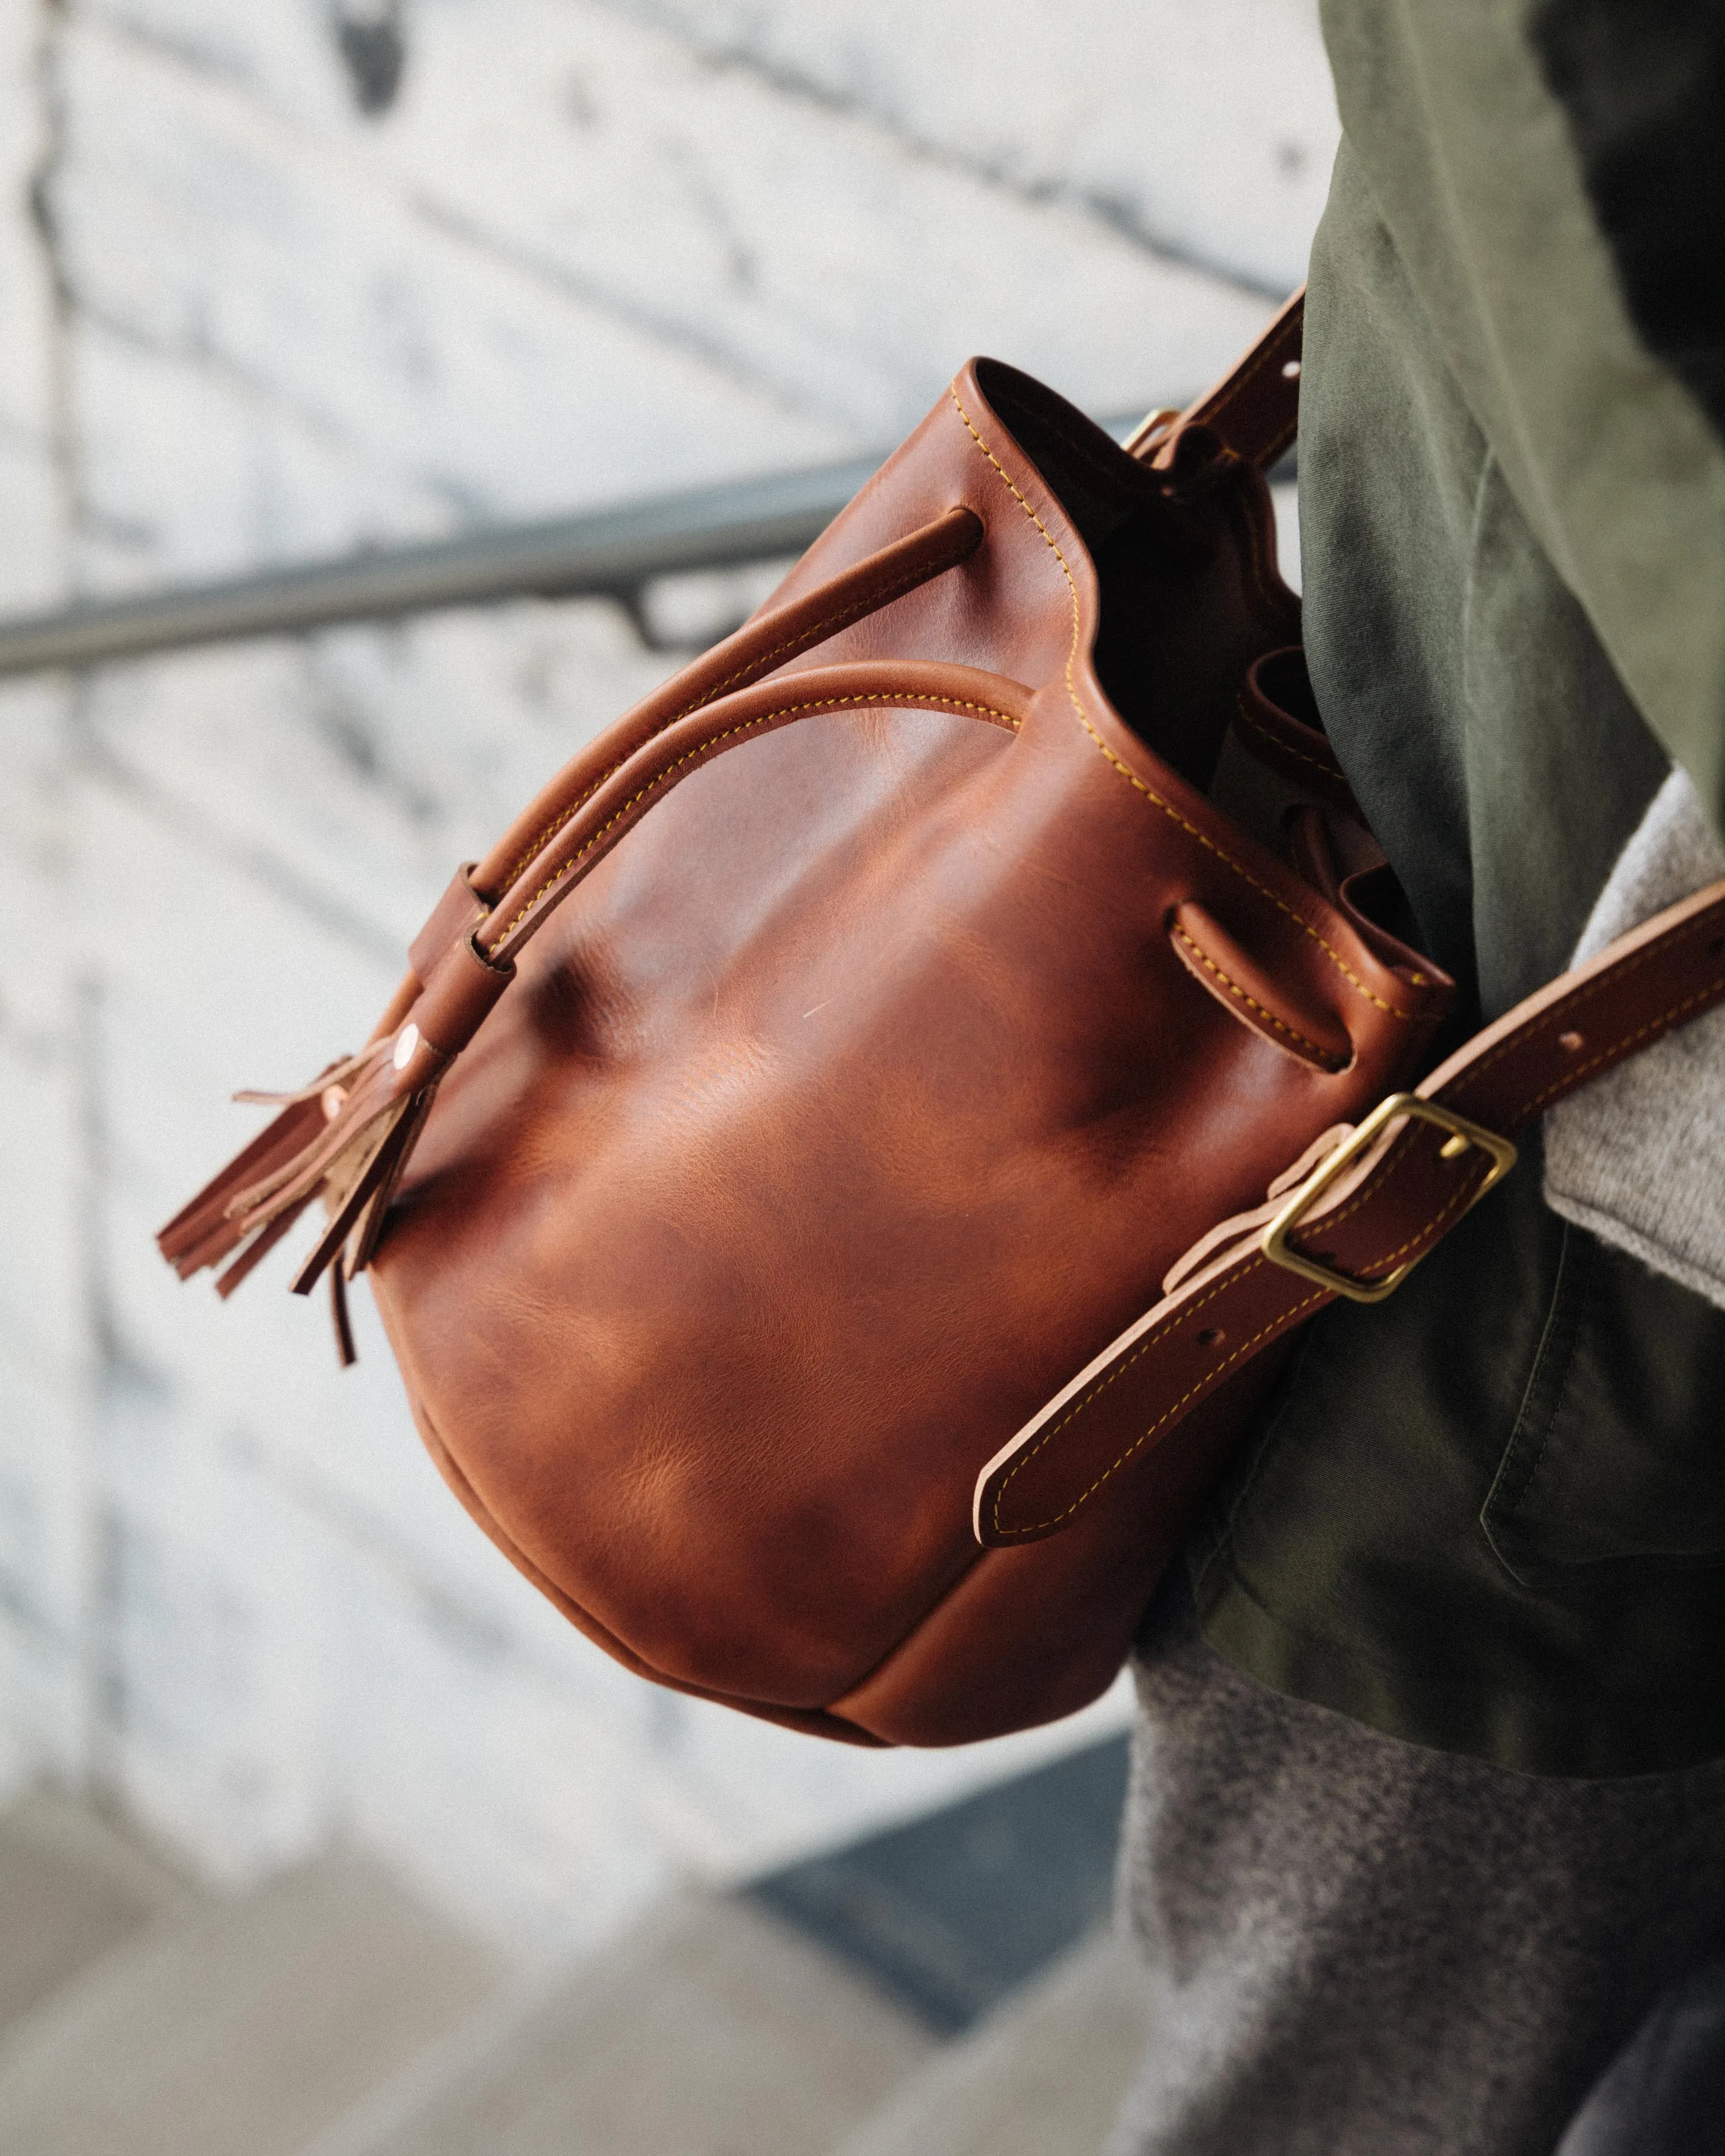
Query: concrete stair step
x=712 y=2030
x=239 y=2028
x=72 y=1889
x=1044 y=2075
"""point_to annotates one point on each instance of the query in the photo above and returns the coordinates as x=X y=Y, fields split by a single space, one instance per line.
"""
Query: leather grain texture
x=930 y=992
x=861 y=1090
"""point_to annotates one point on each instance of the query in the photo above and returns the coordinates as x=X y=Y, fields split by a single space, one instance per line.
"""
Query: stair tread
x=712 y=2031
x=72 y=1889
x=245 y=2025
x=1043 y=2076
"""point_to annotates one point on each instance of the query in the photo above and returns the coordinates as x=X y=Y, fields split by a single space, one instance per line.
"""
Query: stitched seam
x=1457 y=1197
x=725 y=733
x=1270 y=357
x=1250 y=718
x=1246 y=1347
x=1322 y=1054
x=828 y=625
x=1384 y=1174
x=1125 y=770
x=1278 y=443
x=1653 y=1025
x=1564 y=1008
x=1567 y=1008
x=1120 y=1369
x=1079 y=1407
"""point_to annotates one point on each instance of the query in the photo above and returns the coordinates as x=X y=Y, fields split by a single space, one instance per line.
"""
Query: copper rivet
x=1453 y=1148
x=405 y=1046
x=1572 y=1044
x=1212 y=1336
x=334 y=1100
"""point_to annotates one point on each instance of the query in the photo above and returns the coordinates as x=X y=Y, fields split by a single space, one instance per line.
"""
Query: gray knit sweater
x=1639 y=1156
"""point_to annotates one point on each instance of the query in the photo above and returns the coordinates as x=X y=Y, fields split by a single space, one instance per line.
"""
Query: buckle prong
x=1464 y=1137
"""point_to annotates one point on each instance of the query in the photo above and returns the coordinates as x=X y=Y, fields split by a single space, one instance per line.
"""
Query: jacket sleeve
x=1548 y=180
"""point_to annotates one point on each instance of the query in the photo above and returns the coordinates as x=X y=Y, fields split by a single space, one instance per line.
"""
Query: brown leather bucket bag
x=973 y=971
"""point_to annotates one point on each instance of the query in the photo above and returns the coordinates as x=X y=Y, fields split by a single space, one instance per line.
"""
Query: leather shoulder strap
x=1377 y=1200
x=1254 y=408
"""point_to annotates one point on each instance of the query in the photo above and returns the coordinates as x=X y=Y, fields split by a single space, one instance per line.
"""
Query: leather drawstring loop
x=346 y=1135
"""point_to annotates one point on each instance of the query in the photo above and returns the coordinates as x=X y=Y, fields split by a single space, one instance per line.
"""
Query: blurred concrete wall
x=280 y=277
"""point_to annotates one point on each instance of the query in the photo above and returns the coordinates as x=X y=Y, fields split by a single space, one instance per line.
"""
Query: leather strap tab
x=461 y=993
x=1255 y=407
x=1270 y=730
x=1391 y=1207
x=454 y=917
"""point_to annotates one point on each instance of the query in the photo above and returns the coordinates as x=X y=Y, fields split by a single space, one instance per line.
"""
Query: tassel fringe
x=345 y=1138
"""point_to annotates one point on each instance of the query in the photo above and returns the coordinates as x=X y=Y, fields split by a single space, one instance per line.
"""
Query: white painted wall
x=592 y=248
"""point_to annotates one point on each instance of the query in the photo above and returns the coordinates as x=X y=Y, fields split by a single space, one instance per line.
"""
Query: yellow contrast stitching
x=1125 y=770
x=747 y=726
x=1566 y=1007
x=1574 y=1077
x=1374 y=1188
x=1271 y=355
x=1233 y=988
x=1328 y=765
x=1456 y=1199
x=762 y=663
x=1419 y=1235
x=1222 y=1286
x=1119 y=1370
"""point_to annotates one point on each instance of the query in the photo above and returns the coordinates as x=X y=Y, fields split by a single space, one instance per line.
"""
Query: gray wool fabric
x=1361 y=1948
x=1638 y=1156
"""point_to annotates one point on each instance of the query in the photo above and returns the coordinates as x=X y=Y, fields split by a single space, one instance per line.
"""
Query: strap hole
x=1291 y=370
x=1715 y=946
x=1212 y=1336
x=1572 y=1044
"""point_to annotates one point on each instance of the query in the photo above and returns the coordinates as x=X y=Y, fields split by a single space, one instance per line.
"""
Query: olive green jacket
x=1489 y=1516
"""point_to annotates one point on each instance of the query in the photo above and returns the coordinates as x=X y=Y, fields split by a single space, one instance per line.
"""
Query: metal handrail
x=606 y=551
x=611 y=552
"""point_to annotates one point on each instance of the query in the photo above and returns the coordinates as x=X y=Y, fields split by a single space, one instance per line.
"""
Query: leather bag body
x=851 y=1043
x=872 y=1084
x=871 y=1076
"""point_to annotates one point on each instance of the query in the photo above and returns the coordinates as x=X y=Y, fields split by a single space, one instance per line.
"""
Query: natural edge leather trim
x=1528 y=1056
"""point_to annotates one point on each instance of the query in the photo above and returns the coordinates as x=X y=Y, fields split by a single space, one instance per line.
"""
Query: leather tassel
x=260 y=1247
x=345 y=1138
x=371 y=1173
x=203 y=1232
x=347 y=1353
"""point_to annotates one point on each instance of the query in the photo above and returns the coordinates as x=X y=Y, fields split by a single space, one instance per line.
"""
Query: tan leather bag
x=863 y=1035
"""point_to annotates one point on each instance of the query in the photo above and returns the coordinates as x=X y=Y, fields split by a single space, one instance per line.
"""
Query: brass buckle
x=1144 y=435
x=1464 y=1137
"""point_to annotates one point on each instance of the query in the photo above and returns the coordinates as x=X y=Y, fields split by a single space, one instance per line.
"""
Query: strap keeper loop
x=458 y=996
